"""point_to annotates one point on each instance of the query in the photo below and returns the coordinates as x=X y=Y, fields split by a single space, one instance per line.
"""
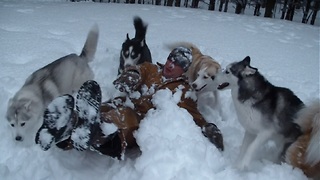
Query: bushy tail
x=194 y=48
x=90 y=46
x=141 y=28
x=311 y=115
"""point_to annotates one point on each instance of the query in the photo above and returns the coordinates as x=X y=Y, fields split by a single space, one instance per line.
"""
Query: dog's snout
x=194 y=86
x=18 y=138
x=128 y=65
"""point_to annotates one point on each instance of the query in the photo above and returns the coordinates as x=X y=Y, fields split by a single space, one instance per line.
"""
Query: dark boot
x=88 y=108
x=57 y=122
x=111 y=146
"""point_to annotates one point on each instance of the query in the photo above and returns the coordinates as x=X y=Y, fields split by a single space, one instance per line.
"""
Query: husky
x=201 y=75
x=266 y=112
x=135 y=51
x=304 y=153
x=63 y=76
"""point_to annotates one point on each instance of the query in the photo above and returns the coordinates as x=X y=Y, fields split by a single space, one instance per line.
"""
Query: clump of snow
x=45 y=138
x=59 y=113
x=80 y=136
x=108 y=128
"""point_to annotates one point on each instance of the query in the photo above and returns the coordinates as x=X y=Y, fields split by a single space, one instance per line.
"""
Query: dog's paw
x=242 y=165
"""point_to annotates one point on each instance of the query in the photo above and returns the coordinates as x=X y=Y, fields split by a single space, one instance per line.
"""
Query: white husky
x=62 y=76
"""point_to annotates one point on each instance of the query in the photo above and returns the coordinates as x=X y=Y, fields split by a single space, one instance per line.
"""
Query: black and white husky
x=135 y=51
x=265 y=111
x=62 y=76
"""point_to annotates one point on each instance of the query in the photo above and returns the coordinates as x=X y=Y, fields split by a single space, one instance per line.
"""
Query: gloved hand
x=128 y=81
x=212 y=132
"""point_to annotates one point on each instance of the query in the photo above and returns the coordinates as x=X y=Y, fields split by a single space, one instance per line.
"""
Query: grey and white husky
x=62 y=76
x=266 y=112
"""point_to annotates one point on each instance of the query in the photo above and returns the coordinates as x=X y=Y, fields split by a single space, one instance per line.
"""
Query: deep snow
x=33 y=34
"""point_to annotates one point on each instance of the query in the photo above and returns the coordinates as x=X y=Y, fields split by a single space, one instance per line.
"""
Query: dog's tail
x=194 y=48
x=310 y=116
x=90 y=46
x=141 y=28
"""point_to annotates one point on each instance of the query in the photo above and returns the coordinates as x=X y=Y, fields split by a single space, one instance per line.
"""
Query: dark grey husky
x=264 y=110
x=135 y=51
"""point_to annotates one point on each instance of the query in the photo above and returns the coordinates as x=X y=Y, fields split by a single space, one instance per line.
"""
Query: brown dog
x=304 y=153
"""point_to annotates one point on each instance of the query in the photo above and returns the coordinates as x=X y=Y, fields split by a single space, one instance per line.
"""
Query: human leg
x=58 y=122
x=88 y=109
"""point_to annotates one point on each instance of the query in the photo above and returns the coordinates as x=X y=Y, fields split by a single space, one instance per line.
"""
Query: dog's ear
x=27 y=104
x=142 y=43
x=246 y=61
x=248 y=70
x=10 y=102
x=128 y=36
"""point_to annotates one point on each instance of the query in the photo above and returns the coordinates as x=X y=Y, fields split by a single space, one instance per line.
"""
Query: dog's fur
x=304 y=153
x=62 y=76
x=265 y=111
x=201 y=75
x=135 y=51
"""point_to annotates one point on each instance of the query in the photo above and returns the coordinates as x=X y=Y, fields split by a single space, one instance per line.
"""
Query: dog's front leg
x=247 y=140
x=260 y=139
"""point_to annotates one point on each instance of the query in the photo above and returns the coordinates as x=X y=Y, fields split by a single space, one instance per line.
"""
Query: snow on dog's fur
x=201 y=75
x=62 y=76
x=304 y=153
x=266 y=112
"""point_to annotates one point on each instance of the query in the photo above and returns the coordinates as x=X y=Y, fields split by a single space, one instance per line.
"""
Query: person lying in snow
x=108 y=127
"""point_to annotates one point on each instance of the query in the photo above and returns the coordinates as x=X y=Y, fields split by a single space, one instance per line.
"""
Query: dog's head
x=234 y=72
x=24 y=116
x=205 y=74
x=132 y=50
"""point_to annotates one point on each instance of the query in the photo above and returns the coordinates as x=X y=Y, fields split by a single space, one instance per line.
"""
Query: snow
x=108 y=128
x=58 y=121
x=34 y=33
x=81 y=136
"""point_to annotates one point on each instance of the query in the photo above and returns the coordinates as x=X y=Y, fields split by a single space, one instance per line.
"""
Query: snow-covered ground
x=33 y=34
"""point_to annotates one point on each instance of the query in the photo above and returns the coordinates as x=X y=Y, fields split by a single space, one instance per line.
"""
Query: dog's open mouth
x=201 y=88
x=223 y=85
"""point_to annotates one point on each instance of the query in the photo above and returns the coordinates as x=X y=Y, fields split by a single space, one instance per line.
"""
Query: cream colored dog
x=201 y=75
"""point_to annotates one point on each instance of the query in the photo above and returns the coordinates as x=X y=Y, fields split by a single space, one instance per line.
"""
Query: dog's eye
x=227 y=72
x=12 y=125
x=212 y=77
x=22 y=124
x=205 y=77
